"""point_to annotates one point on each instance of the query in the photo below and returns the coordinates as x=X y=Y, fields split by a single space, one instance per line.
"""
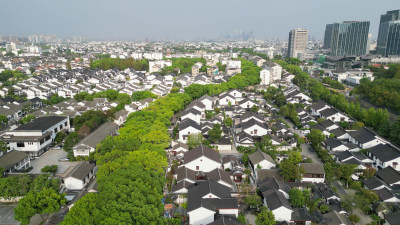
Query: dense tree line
x=378 y=119
x=132 y=167
x=121 y=64
x=380 y=92
x=184 y=64
x=10 y=77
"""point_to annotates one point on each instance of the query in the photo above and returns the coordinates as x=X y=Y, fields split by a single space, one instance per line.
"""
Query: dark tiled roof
x=275 y=199
x=200 y=151
x=327 y=123
x=362 y=135
x=389 y=175
x=81 y=170
x=273 y=183
x=328 y=112
x=338 y=132
x=41 y=123
x=318 y=105
x=393 y=218
x=11 y=158
x=189 y=123
x=225 y=220
x=373 y=183
x=218 y=174
x=253 y=122
x=198 y=191
x=334 y=218
x=332 y=142
x=315 y=168
x=301 y=214
x=384 y=194
x=384 y=152
x=259 y=156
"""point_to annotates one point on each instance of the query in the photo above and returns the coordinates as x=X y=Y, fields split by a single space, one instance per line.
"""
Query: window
x=20 y=144
x=55 y=130
x=255 y=131
x=47 y=138
x=66 y=123
x=61 y=126
x=197 y=167
x=394 y=165
x=41 y=141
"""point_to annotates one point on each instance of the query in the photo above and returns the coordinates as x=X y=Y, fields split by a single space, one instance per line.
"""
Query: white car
x=305 y=131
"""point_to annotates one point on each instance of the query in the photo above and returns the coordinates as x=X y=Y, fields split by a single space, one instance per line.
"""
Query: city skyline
x=159 y=20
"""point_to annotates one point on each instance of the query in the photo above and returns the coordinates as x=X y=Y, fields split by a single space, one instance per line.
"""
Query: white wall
x=205 y=164
x=201 y=216
x=73 y=183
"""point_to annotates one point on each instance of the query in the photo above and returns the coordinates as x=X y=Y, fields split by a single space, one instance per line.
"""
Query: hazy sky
x=183 y=19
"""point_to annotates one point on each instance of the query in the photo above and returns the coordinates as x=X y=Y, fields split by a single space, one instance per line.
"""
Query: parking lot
x=51 y=158
x=7 y=215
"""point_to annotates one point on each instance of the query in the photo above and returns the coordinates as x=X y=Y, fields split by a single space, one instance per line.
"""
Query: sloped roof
x=11 y=158
x=259 y=156
x=81 y=170
x=41 y=123
x=315 y=168
x=276 y=199
x=384 y=152
x=389 y=175
x=373 y=183
x=202 y=151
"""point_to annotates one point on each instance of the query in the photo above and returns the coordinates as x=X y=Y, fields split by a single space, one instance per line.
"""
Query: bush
x=49 y=169
x=356 y=185
x=354 y=218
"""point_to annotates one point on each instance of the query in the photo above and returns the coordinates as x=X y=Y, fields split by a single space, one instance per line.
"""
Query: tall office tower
x=350 y=38
x=298 y=40
x=328 y=36
x=389 y=34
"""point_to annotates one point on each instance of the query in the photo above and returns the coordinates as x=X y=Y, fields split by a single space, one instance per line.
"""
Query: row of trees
x=131 y=175
x=185 y=65
x=333 y=83
x=121 y=64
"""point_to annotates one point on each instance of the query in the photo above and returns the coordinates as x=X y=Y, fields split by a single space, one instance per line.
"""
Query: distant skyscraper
x=328 y=36
x=350 y=38
x=389 y=34
x=298 y=40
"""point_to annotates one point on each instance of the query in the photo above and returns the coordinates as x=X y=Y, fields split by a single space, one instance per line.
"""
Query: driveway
x=51 y=158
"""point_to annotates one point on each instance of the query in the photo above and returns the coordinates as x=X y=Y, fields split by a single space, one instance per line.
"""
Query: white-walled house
x=260 y=160
x=313 y=172
x=208 y=198
x=187 y=127
x=384 y=155
x=364 y=138
x=34 y=137
x=80 y=176
x=203 y=159
x=277 y=203
x=208 y=102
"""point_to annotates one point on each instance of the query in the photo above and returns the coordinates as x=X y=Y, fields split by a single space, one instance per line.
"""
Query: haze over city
x=183 y=20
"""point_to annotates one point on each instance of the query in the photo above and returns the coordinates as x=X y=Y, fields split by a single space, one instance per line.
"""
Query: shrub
x=49 y=169
x=354 y=218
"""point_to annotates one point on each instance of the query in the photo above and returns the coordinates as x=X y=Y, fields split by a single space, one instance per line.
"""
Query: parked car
x=63 y=159
x=305 y=139
x=57 y=147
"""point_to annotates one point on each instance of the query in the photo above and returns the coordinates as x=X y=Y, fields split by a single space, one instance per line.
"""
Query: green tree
x=252 y=201
x=323 y=208
x=3 y=118
x=3 y=146
x=68 y=65
x=289 y=170
x=254 y=108
x=27 y=119
x=228 y=121
x=49 y=169
x=44 y=203
x=140 y=95
x=84 y=211
x=296 y=198
x=215 y=133
x=344 y=172
x=59 y=137
x=194 y=140
x=316 y=137
x=265 y=217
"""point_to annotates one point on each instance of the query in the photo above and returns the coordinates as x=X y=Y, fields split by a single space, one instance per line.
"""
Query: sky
x=183 y=19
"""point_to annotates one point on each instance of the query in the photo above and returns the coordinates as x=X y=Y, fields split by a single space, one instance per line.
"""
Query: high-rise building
x=298 y=40
x=350 y=38
x=389 y=34
x=328 y=36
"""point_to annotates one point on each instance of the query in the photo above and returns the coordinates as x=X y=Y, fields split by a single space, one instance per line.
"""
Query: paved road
x=305 y=148
x=348 y=193
x=51 y=158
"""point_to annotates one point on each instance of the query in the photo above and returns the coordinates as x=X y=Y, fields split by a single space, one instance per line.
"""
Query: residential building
x=313 y=172
x=203 y=159
x=350 y=38
x=298 y=40
x=80 y=176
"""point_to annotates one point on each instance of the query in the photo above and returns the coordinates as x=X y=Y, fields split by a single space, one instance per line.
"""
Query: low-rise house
x=207 y=199
x=260 y=160
x=120 y=117
x=208 y=102
x=385 y=195
x=244 y=139
x=80 y=176
x=365 y=138
x=390 y=176
x=335 y=218
x=255 y=128
x=354 y=158
x=14 y=161
x=34 y=137
x=333 y=114
x=89 y=143
x=277 y=203
x=313 y=172
x=375 y=183
x=392 y=218
x=192 y=114
x=301 y=216
x=202 y=159
x=187 y=127
x=384 y=155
